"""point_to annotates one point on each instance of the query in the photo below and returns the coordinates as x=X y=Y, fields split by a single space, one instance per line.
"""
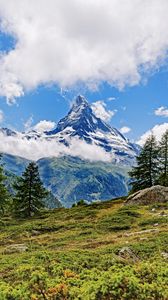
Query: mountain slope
x=72 y=179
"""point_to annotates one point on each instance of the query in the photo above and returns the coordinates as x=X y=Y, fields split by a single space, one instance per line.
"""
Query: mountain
x=70 y=177
x=81 y=122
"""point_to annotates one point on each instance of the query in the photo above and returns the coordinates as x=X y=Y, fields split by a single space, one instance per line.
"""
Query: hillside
x=71 y=179
x=100 y=251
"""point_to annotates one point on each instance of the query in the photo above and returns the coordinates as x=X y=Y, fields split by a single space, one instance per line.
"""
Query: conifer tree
x=163 y=159
x=145 y=173
x=30 y=192
x=4 y=195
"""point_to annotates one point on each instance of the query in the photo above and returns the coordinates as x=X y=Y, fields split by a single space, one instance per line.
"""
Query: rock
x=163 y=214
x=141 y=232
x=15 y=248
x=35 y=232
x=164 y=255
x=143 y=239
x=150 y=195
x=128 y=254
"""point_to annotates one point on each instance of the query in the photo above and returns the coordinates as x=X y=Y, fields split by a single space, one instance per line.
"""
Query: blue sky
x=34 y=67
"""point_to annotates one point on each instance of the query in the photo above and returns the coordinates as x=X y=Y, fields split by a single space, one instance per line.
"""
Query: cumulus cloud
x=1 y=116
x=35 y=149
x=100 y=110
x=70 y=42
x=161 y=111
x=125 y=129
x=44 y=125
x=158 y=130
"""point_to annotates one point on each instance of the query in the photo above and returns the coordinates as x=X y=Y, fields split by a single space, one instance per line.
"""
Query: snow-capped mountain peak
x=81 y=123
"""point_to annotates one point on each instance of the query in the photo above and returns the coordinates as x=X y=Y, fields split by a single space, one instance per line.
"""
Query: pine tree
x=163 y=158
x=30 y=192
x=145 y=173
x=4 y=195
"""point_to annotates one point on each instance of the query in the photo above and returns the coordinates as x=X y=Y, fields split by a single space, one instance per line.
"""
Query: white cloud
x=1 y=116
x=125 y=129
x=44 y=125
x=161 y=111
x=100 y=110
x=92 y=41
x=28 y=123
x=35 y=149
x=158 y=130
x=111 y=98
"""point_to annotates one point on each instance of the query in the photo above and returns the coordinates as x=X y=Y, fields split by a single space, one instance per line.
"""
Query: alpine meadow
x=83 y=150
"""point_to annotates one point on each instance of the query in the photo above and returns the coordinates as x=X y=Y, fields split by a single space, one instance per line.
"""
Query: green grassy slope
x=102 y=251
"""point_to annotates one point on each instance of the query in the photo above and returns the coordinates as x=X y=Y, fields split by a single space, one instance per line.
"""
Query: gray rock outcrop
x=154 y=194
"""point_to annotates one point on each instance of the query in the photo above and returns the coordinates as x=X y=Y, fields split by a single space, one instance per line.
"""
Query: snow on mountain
x=8 y=132
x=82 y=124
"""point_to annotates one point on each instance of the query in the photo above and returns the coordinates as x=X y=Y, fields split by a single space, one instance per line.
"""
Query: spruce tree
x=4 y=195
x=145 y=173
x=30 y=192
x=163 y=159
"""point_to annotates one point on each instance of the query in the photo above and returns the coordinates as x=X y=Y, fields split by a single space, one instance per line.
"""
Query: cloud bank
x=158 y=130
x=81 y=41
x=35 y=149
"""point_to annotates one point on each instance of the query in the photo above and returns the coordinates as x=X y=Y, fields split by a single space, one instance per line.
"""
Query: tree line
x=28 y=193
x=151 y=164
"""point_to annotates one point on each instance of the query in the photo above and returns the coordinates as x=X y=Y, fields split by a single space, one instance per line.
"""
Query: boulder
x=154 y=194
x=127 y=254
x=15 y=248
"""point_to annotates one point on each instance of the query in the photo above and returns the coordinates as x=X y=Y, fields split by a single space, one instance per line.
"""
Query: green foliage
x=79 y=203
x=152 y=164
x=145 y=173
x=30 y=192
x=163 y=160
x=75 y=254
x=123 y=219
x=153 y=221
x=4 y=195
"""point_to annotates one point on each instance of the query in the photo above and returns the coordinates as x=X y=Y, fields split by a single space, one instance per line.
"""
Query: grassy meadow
x=101 y=251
